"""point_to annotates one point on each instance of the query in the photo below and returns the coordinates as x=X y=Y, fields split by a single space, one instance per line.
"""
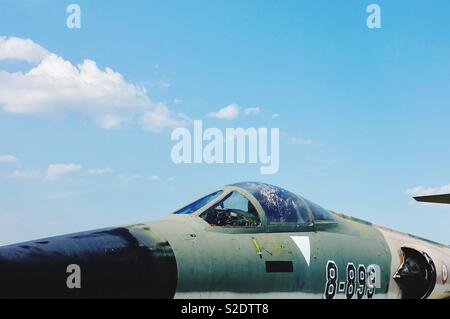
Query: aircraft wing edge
x=439 y=199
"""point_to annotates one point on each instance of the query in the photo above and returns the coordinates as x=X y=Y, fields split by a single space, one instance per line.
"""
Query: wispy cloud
x=160 y=117
x=55 y=86
x=27 y=174
x=300 y=141
x=252 y=110
x=8 y=158
x=99 y=171
x=56 y=171
x=226 y=113
x=275 y=115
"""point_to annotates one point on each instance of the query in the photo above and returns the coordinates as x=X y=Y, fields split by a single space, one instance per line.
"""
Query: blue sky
x=363 y=114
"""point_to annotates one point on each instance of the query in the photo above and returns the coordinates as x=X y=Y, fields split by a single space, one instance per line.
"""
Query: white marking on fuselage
x=304 y=246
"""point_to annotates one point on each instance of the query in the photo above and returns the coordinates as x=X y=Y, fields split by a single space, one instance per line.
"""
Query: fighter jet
x=246 y=240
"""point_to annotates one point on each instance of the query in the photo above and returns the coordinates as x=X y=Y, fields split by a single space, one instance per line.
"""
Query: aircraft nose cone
x=107 y=263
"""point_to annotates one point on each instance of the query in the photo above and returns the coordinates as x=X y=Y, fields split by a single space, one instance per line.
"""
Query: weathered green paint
x=216 y=259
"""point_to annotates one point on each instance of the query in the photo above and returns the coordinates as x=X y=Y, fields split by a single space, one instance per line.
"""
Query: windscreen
x=193 y=207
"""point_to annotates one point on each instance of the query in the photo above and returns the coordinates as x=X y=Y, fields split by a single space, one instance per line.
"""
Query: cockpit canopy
x=252 y=204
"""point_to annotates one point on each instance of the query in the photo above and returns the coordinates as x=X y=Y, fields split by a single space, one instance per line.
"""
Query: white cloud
x=21 y=49
x=99 y=171
x=275 y=115
x=228 y=112
x=8 y=158
x=55 y=87
x=424 y=191
x=27 y=174
x=251 y=110
x=154 y=178
x=160 y=117
x=56 y=171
